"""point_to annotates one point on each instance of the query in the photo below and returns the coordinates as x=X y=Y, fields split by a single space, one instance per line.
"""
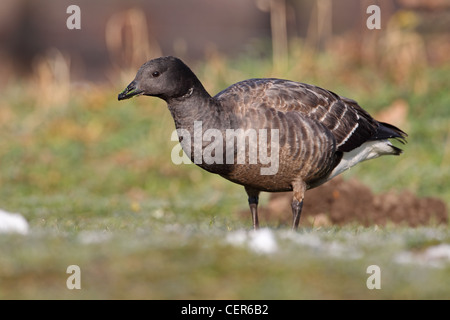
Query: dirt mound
x=340 y=202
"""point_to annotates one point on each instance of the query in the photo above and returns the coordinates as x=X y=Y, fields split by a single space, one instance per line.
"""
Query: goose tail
x=388 y=131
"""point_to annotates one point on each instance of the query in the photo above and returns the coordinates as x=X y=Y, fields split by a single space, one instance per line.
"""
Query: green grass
x=95 y=181
x=152 y=258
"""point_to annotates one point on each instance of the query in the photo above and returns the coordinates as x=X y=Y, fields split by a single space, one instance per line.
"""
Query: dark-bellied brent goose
x=265 y=134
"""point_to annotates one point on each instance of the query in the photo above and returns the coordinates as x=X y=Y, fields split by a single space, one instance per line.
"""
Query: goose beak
x=130 y=91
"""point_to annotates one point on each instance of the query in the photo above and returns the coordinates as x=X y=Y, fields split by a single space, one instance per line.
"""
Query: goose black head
x=165 y=77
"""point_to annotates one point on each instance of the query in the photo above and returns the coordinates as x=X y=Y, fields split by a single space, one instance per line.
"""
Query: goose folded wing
x=348 y=122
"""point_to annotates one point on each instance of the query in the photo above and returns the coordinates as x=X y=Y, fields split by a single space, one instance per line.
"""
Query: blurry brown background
x=123 y=34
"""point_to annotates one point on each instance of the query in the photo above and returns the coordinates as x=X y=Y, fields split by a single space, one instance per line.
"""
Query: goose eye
x=155 y=74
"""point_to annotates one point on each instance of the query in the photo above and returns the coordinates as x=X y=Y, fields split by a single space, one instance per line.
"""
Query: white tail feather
x=368 y=150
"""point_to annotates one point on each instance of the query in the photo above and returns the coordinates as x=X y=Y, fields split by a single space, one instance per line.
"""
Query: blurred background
x=60 y=84
x=59 y=112
x=123 y=34
x=94 y=179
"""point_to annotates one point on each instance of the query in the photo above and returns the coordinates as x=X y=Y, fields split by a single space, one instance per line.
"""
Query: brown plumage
x=311 y=134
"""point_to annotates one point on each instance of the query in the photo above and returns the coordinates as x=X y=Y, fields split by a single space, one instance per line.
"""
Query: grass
x=177 y=261
x=95 y=181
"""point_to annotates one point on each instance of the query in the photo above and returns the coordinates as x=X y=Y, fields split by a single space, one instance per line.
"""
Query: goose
x=314 y=133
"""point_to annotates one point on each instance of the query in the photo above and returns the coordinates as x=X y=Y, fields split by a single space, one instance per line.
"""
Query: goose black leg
x=296 y=212
x=253 y=203
x=299 y=188
x=253 y=197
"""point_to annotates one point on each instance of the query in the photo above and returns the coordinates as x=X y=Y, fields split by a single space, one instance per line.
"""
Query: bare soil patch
x=340 y=202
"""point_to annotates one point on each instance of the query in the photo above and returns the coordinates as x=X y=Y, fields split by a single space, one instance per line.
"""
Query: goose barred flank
x=320 y=134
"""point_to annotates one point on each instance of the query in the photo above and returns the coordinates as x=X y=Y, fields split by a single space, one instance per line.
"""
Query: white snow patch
x=439 y=252
x=308 y=239
x=237 y=238
x=90 y=237
x=436 y=256
x=13 y=223
x=259 y=241
x=332 y=248
x=158 y=213
x=265 y=241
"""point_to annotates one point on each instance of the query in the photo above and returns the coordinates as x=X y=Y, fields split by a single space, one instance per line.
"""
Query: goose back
x=350 y=125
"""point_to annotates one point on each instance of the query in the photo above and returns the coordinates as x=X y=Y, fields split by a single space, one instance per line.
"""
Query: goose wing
x=348 y=122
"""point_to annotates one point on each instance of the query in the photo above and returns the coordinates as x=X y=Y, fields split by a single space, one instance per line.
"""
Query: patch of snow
x=259 y=241
x=307 y=239
x=263 y=241
x=333 y=248
x=158 y=213
x=13 y=223
x=435 y=256
x=89 y=237
x=439 y=252
x=237 y=238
